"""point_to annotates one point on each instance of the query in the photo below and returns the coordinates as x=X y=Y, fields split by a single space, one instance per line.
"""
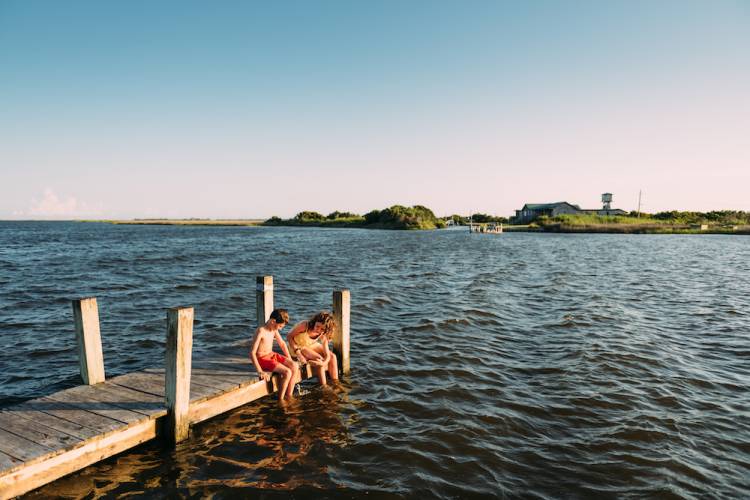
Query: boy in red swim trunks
x=266 y=361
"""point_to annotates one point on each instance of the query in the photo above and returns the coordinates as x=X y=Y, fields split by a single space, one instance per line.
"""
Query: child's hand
x=264 y=376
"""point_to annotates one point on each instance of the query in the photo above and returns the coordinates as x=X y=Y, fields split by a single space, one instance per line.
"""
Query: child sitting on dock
x=266 y=361
x=309 y=343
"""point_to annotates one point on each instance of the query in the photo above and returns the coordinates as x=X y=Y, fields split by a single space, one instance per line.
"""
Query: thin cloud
x=52 y=205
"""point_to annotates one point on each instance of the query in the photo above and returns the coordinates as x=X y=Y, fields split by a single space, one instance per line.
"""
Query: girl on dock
x=308 y=341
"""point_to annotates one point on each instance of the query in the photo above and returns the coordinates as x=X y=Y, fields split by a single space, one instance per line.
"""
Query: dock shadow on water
x=263 y=448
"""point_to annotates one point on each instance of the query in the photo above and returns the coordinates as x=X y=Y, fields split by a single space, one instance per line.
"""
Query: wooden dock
x=49 y=437
x=486 y=227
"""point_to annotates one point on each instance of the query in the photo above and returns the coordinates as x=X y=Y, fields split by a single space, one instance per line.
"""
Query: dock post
x=177 y=379
x=86 y=316
x=263 y=298
x=341 y=312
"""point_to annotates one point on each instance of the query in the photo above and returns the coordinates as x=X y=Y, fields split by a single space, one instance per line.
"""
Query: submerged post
x=341 y=311
x=86 y=316
x=178 y=364
x=263 y=298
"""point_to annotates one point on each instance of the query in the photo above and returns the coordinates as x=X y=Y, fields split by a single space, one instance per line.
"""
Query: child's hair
x=324 y=318
x=280 y=316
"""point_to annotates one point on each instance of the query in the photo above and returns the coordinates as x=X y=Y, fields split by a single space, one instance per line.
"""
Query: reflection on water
x=536 y=365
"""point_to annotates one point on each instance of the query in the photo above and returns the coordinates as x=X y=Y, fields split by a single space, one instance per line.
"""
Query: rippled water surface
x=533 y=365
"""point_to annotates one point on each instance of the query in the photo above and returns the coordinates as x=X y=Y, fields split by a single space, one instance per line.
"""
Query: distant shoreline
x=182 y=222
x=548 y=228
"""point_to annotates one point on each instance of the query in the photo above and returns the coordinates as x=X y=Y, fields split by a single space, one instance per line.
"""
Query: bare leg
x=286 y=375
x=294 y=378
x=333 y=368
x=311 y=354
x=320 y=371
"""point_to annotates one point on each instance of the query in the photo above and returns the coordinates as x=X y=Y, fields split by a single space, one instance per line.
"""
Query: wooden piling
x=178 y=365
x=263 y=298
x=86 y=316
x=341 y=312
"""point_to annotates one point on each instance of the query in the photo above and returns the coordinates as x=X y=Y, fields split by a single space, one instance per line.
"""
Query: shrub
x=340 y=215
x=307 y=215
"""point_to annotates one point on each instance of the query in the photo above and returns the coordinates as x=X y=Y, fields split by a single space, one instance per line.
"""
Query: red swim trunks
x=270 y=361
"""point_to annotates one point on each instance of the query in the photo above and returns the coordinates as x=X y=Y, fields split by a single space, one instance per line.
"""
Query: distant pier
x=49 y=437
x=486 y=227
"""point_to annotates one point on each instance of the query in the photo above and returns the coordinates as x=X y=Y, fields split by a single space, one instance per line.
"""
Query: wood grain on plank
x=209 y=408
x=95 y=421
x=21 y=411
x=36 y=432
x=235 y=377
x=147 y=404
x=149 y=382
x=21 y=448
x=198 y=390
x=86 y=316
x=7 y=462
x=89 y=398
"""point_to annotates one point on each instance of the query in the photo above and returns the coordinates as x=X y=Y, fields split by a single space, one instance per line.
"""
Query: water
x=547 y=366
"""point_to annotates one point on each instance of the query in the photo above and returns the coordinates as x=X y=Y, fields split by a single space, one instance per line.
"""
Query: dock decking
x=46 y=438
x=49 y=437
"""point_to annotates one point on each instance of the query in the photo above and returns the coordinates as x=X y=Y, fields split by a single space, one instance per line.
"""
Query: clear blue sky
x=253 y=109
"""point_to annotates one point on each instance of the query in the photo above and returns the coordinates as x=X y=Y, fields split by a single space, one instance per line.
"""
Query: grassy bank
x=632 y=225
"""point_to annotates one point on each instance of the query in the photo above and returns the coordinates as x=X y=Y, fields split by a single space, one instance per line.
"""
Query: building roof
x=544 y=206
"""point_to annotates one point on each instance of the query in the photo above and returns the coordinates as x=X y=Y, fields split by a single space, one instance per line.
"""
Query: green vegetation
x=462 y=220
x=590 y=219
x=721 y=217
x=662 y=222
x=395 y=217
x=482 y=218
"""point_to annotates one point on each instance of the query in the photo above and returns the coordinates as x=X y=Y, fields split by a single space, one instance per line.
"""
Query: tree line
x=394 y=217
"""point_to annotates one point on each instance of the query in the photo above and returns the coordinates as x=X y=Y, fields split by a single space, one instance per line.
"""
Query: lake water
x=534 y=365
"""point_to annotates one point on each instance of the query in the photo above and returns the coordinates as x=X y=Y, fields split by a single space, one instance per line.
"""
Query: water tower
x=607 y=200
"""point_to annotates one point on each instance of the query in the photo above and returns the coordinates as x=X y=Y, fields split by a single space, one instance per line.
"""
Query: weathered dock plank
x=199 y=388
x=25 y=477
x=91 y=398
x=219 y=384
x=203 y=410
x=23 y=412
x=7 y=462
x=146 y=404
x=99 y=423
x=148 y=382
x=21 y=448
x=234 y=378
x=36 y=432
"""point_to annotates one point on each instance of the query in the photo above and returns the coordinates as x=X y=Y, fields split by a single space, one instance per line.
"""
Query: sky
x=248 y=109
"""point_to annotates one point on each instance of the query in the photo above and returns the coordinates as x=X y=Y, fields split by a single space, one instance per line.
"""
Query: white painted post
x=91 y=360
x=263 y=298
x=177 y=376
x=341 y=312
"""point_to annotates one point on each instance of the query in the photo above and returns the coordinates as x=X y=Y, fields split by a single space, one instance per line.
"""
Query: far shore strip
x=186 y=222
